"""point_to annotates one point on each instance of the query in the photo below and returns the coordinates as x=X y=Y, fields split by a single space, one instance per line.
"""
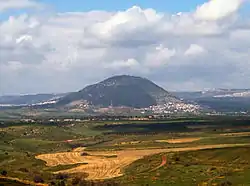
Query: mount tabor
x=122 y=90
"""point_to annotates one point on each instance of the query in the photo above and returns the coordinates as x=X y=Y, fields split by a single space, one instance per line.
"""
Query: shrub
x=177 y=158
x=76 y=181
x=38 y=179
x=83 y=183
x=4 y=173
x=227 y=183
x=61 y=183
x=187 y=164
x=84 y=154
x=61 y=176
x=212 y=169
x=23 y=170
x=52 y=183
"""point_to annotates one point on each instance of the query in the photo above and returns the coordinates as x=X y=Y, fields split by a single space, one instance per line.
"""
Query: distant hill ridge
x=121 y=90
x=29 y=99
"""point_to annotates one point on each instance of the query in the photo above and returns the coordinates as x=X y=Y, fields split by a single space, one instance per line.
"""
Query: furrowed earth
x=106 y=165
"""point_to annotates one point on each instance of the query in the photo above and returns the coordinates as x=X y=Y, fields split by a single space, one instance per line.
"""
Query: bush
x=212 y=169
x=4 y=173
x=84 y=154
x=83 y=183
x=227 y=183
x=23 y=170
x=61 y=176
x=177 y=158
x=52 y=183
x=61 y=183
x=76 y=180
x=38 y=179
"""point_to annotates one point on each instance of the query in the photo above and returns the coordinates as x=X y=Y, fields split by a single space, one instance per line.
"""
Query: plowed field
x=104 y=165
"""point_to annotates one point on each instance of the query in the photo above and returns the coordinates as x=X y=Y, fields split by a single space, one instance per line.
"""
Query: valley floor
x=185 y=152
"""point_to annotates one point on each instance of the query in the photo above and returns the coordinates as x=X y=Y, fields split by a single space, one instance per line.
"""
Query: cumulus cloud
x=218 y=9
x=66 y=51
x=18 y=4
x=159 y=56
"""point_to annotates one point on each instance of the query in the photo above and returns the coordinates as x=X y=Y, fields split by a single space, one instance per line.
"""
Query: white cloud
x=129 y=63
x=66 y=51
x=241 y=34
x=18 y=4
x=159 y=56
x=23 y=38
x=217 y=9
x=194 y=49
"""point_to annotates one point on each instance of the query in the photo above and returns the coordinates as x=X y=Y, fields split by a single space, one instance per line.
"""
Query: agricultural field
x=197 y=151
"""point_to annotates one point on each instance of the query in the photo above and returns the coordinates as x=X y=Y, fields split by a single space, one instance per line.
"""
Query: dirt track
x=236 y=134
x=180 y=140
x=100 y=167
x=163 y=162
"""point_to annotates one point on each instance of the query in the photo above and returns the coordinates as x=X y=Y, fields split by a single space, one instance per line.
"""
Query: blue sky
x=159 y=5
x=169 y=6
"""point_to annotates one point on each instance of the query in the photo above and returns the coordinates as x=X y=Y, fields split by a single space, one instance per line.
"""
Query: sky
x=60 y=46
x=114 y=5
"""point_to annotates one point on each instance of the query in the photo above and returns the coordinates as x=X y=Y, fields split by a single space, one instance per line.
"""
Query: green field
x=212 y=167
x=21 y=142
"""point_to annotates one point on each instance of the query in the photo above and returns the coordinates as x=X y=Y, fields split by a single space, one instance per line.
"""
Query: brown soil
x=163 y=162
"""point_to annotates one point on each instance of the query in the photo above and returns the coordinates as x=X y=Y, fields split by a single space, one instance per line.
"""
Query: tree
x=61 y=183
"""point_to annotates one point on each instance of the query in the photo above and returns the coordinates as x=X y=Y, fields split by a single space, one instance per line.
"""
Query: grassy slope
x=19 y=145
x=192 y=168
x=10 y=183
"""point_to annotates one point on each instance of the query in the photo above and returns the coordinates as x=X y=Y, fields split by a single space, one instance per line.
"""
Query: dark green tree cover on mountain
x=123 y=90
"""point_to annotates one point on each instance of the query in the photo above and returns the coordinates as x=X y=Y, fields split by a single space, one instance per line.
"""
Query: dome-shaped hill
x=122 y=90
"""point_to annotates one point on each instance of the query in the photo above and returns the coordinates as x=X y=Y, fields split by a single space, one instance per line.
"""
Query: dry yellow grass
x=129 y=143
x=180 y=140
x=100 y=167
x=79 y=149
x=237 y=134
